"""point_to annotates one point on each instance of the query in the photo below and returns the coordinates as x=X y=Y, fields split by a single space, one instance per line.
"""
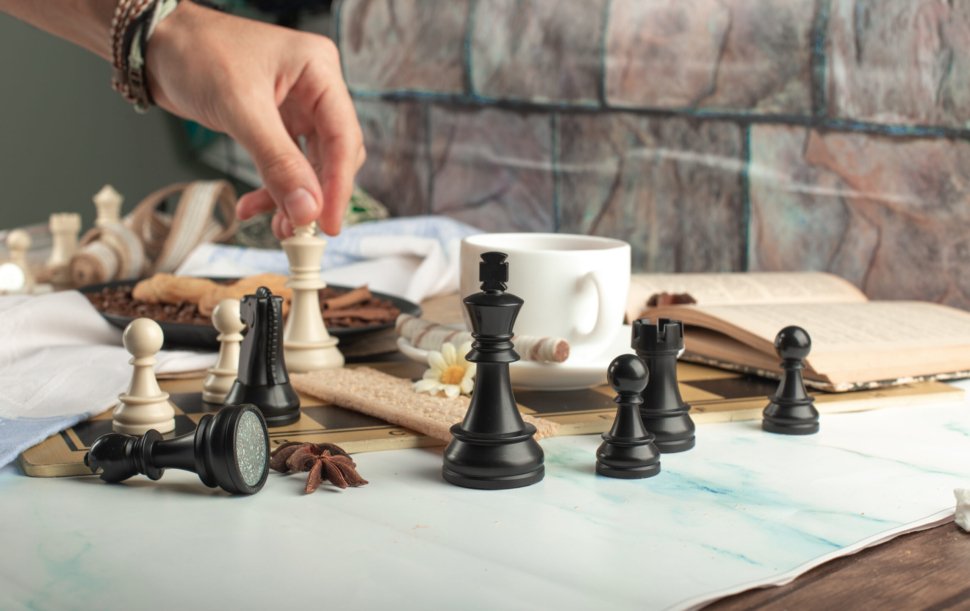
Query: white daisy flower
x=450 y=373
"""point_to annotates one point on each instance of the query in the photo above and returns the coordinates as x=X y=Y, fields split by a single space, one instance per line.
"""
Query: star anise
x=322 y=460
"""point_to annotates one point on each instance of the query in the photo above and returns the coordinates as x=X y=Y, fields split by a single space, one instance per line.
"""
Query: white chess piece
x=226 y=320
x=306 y=344
x=108 y=202
x=18 y=243
x=144 y=406
x=64 y=227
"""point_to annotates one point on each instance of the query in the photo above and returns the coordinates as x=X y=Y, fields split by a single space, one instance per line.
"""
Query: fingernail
x=300 y=207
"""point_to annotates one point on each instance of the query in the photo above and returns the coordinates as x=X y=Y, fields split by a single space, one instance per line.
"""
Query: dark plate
x=204 y=336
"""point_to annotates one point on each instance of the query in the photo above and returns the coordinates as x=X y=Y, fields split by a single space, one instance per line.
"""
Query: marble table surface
x=744 y=508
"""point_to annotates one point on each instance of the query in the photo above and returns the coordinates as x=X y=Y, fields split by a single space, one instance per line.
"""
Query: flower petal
x=467 y=385
x=437 y=361
x=451 y=391
x=448 y=353
x=428 y=386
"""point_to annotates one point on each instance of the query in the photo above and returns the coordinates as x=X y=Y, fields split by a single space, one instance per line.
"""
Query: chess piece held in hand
x=628 y=449
x=262 y=379
x=307 y=344
x=226 y=319
x=144 y=407
x=791 y=410
x=229 y=449
x=664 y=412
x=493 y=448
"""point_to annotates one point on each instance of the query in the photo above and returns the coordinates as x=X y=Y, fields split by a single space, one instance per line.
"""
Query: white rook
x=306 y=344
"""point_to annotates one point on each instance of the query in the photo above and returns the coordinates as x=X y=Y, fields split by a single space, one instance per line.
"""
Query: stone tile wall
x=713 y=135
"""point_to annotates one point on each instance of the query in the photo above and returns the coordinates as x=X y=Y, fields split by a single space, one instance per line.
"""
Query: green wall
x=64 y=132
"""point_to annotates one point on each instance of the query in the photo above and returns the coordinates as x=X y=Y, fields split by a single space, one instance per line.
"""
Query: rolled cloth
x=428 y=335
x=392 y=399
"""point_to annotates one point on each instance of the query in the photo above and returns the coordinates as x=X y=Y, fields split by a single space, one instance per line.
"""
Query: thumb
x=286 y=172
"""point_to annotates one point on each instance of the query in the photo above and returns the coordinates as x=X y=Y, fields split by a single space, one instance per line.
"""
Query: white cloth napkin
x=412 y=257
x=60 y=363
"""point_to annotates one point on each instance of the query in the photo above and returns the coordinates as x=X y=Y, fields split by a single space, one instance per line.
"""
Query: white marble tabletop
x=741 y=509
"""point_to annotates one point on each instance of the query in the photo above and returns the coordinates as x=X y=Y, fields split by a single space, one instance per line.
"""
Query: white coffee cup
x=574 y=286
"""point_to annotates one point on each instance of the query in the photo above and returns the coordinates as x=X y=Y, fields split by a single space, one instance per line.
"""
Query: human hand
x=265 y=87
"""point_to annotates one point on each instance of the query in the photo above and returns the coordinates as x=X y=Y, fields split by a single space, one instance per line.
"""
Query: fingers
x=282 y=228
x=339 y=151
x=288 y=179
x=253 y=203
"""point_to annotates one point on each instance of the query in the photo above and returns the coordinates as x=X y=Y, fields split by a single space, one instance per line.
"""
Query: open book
x=732 y=320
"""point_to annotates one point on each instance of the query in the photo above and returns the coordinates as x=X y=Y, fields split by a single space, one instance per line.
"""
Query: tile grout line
x=470 y=21
x=745 y=180
x=819 y=59
x=844 y=125
x=429 y=155
x=604 y=31
x=554 y=161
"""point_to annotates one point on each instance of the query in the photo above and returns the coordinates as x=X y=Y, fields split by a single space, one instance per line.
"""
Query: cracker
x=392 y=399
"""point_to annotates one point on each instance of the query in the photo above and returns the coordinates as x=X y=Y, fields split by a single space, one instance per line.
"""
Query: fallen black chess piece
x=229 y=449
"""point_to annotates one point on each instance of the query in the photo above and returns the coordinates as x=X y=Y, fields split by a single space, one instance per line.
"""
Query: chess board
x=715 y=395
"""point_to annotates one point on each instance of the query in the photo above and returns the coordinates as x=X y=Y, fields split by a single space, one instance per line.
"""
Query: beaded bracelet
x=132 y=26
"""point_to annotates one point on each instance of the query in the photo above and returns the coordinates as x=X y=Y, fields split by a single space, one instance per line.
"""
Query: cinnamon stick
x=350 y=298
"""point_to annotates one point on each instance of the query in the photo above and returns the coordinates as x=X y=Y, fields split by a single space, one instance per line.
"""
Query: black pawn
x=262 y=379
x=628 y=450
x=492 y=448
x=791 y=410
x=229 y=449
x=664 y=412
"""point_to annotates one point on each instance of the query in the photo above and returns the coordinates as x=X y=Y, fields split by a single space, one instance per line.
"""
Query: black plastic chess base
x=493 y=462
x=785 y=426
x=627 y=461
x=493 y=482
x=672 y=446
x=639 y=472
x=673 y=428
x=278 y=402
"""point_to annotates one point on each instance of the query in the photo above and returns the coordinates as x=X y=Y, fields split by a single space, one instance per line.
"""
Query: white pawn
x=108 y=202
x=226 y=320
x=144 y=406
x=18 y=243
x=306 y=344
x=64 y=228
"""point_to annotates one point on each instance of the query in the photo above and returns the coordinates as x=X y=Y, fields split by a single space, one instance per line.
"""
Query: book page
x=746 y=287
x=852 y=343
x=839 y=327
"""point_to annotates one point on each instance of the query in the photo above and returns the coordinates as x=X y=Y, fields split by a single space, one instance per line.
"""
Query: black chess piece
x=791 y=410
x=262 y=379
x=664 y=412
x=492 y=448
x=228 y=449
x=628 y=449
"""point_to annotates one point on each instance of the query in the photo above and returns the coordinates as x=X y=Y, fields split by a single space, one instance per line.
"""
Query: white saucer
x=571 y=375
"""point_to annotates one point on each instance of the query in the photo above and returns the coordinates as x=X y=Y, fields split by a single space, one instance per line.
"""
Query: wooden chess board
x=715 y=395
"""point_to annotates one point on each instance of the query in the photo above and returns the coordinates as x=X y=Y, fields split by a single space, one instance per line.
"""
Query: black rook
x=664 y=412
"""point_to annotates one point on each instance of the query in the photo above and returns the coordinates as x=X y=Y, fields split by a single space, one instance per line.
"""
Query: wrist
x=171 y=40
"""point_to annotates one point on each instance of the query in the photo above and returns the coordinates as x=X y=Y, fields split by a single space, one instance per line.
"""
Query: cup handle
x=601 y=334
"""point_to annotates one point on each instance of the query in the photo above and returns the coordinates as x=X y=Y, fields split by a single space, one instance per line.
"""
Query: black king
x=492 y=448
